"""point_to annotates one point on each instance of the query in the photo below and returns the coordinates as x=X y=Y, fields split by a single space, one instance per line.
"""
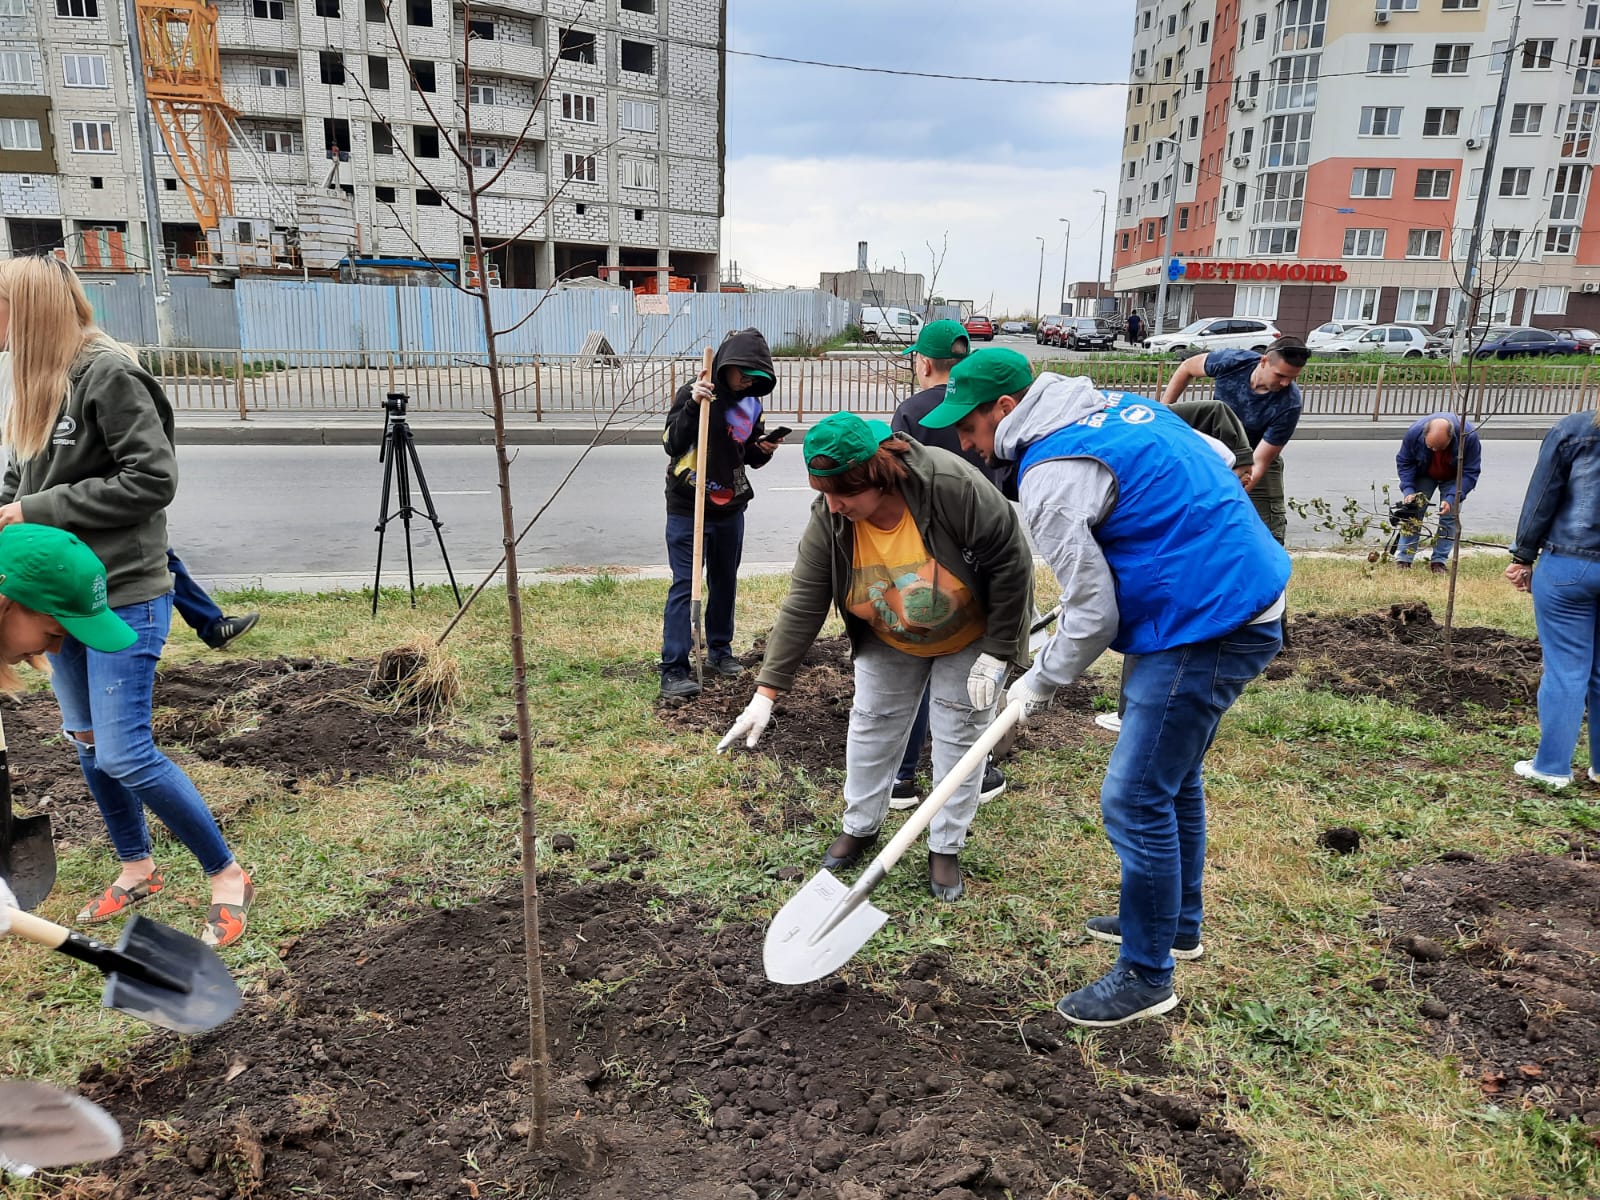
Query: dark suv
x=1083 y=333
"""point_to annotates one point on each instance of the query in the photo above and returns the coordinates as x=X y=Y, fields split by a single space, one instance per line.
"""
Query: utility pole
x=1038 y=292
x=1166 y=247
x=1099 y=262
x=1067 y=246
x=1469 y=279
x=161 y=290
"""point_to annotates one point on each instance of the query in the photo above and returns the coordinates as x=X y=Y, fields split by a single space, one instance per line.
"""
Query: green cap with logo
x=52 y=572
x=980 y=377
x=938 y=339
x=846 y=439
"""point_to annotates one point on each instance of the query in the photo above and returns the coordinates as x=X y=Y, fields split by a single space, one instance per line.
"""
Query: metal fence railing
x=619 y=387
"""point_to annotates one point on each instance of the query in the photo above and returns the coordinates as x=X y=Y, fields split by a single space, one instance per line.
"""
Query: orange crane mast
x=183 y=83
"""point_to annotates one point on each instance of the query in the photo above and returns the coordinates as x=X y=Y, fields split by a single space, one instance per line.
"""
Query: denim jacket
x=1562 y=510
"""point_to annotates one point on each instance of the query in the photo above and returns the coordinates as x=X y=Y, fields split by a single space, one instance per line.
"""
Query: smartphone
x=778 y=434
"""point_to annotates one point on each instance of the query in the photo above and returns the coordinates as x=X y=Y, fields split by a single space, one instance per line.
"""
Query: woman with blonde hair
x=88 y=436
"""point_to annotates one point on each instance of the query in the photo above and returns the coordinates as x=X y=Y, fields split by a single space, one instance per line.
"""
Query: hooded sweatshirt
x=734 y=433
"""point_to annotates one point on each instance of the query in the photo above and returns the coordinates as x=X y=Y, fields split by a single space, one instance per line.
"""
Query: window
x=1183 y=217
x=19 y=134
x=376 y=14
x=481 y=93
x=425 y=141
x=429 y=198
x=1293 y=81
x=1566 y=193
x=1538 y=53
x=575 y=107
x=487 y=157
x=16 y=66
x=1441 y=122
x=1355 y=304
x=1415 y=305
x=1388 y=58
x=1526 y=118
x=84 y=70
x=1474 y=181
x=1256 y=301
x=1124 y=241
x=1260 y=31
x=335 y=136
x=423 y=75
x=1204 y=34
x=639 y=57
x=420 y=14
x=1451 y=58
x=1433 y=184
x=1380 y=122
x=13 y=8
x=577 y=45
x=378 y=72
x=267 y=10
x=1578 y=136
x=92 y=137
x=481 y=29
x=1504 y=243
x=1586 y=79
x=272 y=76
x=384 y=195
x=1149 y=231
x=382 y=138
x=331 y=65
x=648 y=7
x=579 y=166
x=1397 y=5
x=326 y=8
x=1287 y=141
x=639 y=173
x=1550 y=301
x=1558 y=239
x=86 y=10
x=1274 y=241
x=1372 y=182
x=1497 y=57
x=277 y=141
x=1514 y=181
x=1459 y=5
x=1364 y=243
x=1424 y=243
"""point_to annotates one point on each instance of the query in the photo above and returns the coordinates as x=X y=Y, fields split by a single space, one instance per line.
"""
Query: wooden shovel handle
x=37 y=930
x=697 y=585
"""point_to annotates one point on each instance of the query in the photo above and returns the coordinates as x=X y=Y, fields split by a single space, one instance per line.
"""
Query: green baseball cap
x=938 y=340
x=845 y=438
x=756 y=372
x=52 y=572
x=980 y=377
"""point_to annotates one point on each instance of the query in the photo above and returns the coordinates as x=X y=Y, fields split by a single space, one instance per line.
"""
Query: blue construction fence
x=261 y=316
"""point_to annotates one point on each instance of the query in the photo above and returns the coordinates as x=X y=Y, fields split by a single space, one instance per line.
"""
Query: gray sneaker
x=1116 y=999
x=1109 y=929
x=678 y=685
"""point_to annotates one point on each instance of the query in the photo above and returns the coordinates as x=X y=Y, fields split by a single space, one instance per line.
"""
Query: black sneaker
x=1116 y=999
x=1109 y=929
x=727 y=666
x=904 y=795
x=993 y=785
x=677 y=684
x=229 y=628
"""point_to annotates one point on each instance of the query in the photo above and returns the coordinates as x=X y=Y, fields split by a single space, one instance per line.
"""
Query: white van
x=897 y=325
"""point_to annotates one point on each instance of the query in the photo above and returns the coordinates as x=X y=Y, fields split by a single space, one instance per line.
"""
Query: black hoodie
x=736 y=428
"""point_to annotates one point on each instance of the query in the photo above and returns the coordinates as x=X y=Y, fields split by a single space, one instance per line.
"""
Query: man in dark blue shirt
x=1261 y=391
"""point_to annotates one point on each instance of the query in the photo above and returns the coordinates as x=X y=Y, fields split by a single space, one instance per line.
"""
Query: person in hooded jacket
x=741 y=373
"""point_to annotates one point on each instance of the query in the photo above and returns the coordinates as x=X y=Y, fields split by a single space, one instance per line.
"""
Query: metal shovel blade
x=42 y=1126
x=211 y=999
x=794 y=954
x=31 y=869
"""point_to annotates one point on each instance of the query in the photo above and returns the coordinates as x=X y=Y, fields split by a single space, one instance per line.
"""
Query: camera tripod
x=398 y=454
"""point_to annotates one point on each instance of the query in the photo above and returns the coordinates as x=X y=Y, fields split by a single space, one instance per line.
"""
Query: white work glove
x=703 y=391
x=752 y=721
x=7 y=903
x=1035 y=696
x=984 y=681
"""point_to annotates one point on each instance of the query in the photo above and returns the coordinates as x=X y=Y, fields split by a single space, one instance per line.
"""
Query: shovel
x=42 y=1126
x=154 y=972
x=824 y=924
x=698 y=586
x=27 y=854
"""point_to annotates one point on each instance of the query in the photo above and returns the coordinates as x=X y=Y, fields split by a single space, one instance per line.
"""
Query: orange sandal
x=225 y=922
x=114 y=900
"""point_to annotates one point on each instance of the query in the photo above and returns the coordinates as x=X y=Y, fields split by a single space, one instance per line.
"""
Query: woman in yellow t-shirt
x=927 y=564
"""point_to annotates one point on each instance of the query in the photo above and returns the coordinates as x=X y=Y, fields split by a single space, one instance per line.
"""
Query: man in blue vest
x=1160 y=556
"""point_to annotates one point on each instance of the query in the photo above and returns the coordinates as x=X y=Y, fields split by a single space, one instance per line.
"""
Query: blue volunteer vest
x=1191 y=559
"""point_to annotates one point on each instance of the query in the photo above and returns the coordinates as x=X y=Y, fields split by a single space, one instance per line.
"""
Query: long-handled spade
x=824 y=924
x=43 y=1126
x=154 y=972
x=698 y=585
x=27 y=853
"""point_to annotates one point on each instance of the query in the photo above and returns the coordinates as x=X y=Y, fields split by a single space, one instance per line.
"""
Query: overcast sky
x=819 y=159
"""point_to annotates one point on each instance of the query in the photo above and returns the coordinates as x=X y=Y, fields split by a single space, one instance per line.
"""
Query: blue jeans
x=1406 y=549
x=918 y=739
x=1566 y=608
x=111 y=696
x=724 y=547
x=197 y=609
x=1153 y=800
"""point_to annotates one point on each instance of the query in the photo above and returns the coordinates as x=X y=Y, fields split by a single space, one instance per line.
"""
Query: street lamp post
x=1099 y=262
x=1038 y=292
x=1064 y=249
x=1166 y=249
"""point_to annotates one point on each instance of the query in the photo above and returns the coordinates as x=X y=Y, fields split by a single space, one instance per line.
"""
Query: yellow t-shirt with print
x=911 y=602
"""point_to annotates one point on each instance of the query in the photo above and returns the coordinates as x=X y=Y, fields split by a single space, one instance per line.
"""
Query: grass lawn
x=1331 y=1080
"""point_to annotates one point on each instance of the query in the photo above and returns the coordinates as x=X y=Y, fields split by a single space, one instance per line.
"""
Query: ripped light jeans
x=111 y=695
x=889 y=687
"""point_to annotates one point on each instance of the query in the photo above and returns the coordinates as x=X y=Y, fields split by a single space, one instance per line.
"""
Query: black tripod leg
x=383 y=513
x=406 y=510
x=433 y=516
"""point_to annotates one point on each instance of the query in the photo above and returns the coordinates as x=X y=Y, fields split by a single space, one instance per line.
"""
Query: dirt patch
x=812 y=722
x=1511 y=953
x=1399 y=655
x=392 y=1062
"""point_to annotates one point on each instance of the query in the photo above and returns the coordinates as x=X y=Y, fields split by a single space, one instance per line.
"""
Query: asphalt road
x=303 y=517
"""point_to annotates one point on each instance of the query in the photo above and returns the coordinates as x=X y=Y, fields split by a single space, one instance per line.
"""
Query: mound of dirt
x=811 y=723
x=1511 y=952
x=393 y=1061
x=1399 y=655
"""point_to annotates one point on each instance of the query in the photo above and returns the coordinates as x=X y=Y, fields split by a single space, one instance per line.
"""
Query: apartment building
x=1323 y=159
x=625 y=144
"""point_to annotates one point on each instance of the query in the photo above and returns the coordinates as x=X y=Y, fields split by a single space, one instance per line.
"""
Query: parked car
x=1333 y=331
x=897 y=325
x=1013 y=327
x=1447 y=333
x=1406 y=341
x=1216 y=333
x=1041 y=331
x=979 y=327
x=1517 y=341
x=1084 y=333
x=1588 y=340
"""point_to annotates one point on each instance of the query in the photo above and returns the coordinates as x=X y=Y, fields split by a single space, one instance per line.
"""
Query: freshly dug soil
x=393 y=1062
x=1511 y=952
x=1399 y=655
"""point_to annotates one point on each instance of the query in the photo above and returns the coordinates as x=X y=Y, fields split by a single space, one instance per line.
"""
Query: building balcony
x=516 y=183
x=506 y=58
x=238 y=31
x=504 y=120
x=267 y=102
